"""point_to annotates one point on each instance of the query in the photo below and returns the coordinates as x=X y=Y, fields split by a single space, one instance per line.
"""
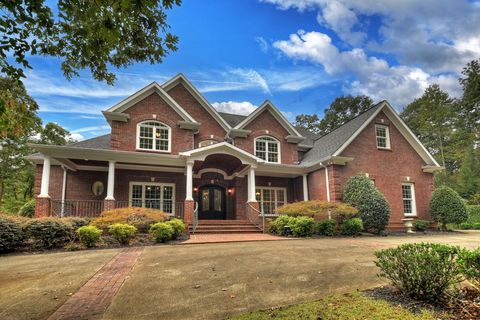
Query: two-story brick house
x=170 y=149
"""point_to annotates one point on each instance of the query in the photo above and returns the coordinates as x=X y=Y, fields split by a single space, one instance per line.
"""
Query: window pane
x=280 y=197
x=205 y=200
x=146 y=143
x=261 y=146
x=217 y=202
x=258 y=195
x=381 y=142
x=272 y=157
x=407 y=206
x=261 y=155
x=407 y=192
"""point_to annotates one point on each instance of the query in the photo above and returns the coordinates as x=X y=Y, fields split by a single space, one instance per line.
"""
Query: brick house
x=170 y=149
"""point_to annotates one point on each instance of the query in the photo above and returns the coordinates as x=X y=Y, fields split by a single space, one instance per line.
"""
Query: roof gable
x=222 y=147
x=180 y=78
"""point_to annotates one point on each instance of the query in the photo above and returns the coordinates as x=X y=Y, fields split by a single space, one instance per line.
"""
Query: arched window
x=153 y=135
x=268 y=149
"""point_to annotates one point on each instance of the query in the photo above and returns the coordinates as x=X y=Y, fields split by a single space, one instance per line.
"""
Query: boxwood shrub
x=302 y=226
x=352 y=227
x=278 y=226
x=326 y=228
x=473 y=212
x=469 y=262
x=89 y=235
x=421 y=225
x=162 y=231
x=11 y=234
x=446 y=206
x=49 y=232
x=178 y=227
x=122 y=232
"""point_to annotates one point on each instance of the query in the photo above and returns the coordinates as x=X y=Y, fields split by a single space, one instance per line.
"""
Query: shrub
x=121 y=215
x=77 y=222
x=162 y=231
x=421 y=225
x=89 y=235
x=424 y=271
x=465 y=226
x=475 y=199
x=178 y=227
x=352 y=227
x=473 y=212
x=28 y=209
x=319 y=210
x=278 y=225
x=469 y=262
x=122 y=232
x=326 y=227
x=11 y=234
x=140 y=221
x=446 y=206
x=49 y=232
x=372 y=206
x=302 y=226
x=476 y=226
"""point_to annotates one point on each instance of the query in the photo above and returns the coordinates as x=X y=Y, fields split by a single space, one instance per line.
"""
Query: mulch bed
x=465 y=306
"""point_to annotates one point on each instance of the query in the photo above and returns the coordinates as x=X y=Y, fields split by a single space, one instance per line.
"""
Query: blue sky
x=300 y=54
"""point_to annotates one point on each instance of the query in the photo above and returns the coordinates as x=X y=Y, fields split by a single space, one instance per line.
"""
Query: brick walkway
x=93 y=299
x=231 y=237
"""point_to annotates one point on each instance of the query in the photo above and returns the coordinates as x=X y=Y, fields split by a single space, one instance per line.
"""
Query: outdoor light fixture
x=257 y=193
x=195 y=189
x=230 y=190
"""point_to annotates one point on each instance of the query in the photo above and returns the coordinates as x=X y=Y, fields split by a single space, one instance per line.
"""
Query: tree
x=52 y=133
x=308 y=121
x=469 y=106
x=446 y=206
x=84 y=34
x=468 y=182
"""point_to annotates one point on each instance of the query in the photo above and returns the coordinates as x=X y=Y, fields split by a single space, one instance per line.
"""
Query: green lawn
x=339 y=307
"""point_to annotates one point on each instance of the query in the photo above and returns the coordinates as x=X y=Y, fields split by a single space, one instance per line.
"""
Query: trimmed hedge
x=446 y=206
x=352 y=227
x=178 y=227
x=319 y=210
x=326 y=228
x=122 y=232
x=162 y=231
x=89 y=235
x=11 y=234
x=49 y=232
x=473 y=212
x=28 y=209
x=421 y=225
x=141 y=218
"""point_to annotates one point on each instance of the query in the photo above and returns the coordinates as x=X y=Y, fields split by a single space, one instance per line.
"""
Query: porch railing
x=256 y=217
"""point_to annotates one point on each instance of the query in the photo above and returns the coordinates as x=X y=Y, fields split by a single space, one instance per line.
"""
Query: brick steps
x=225 y=226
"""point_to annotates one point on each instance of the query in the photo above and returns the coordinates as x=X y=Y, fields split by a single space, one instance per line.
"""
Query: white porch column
x=189 y=187
x=45 y=178
x=305 y=187
x=111 y=180
x=251 y=185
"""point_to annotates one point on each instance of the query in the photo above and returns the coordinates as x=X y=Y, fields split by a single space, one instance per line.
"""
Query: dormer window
x=153 y=135
x=383 y=137
x=268 y=149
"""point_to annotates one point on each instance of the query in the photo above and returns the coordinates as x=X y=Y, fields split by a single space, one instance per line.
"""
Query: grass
x=339 y=307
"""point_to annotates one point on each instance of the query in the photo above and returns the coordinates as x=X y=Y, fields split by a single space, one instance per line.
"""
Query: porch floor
x=232 y=237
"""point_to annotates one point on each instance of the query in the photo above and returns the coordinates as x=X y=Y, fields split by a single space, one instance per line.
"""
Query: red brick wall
x=56 y=180
x=316 y=185
x=124 y=133
x=259 y=127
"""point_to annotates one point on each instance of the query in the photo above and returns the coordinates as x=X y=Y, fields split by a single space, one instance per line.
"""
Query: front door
x=211 y=204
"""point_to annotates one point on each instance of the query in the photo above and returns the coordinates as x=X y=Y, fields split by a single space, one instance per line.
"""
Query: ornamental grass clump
x=423 y=271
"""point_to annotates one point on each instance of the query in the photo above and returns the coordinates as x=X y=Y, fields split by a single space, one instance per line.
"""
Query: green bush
x=424 y=271
x=469 y=262
x=465 y=226
x=446 y=206
x=89 y=235
x=278 y=226
x=178 y=227
x=319 y=210
x=476 y=226
x=473 y=212
x=352 y=227
x=162 y=231
x=49 y=232
x=302 y=226
x=475 y=199
x=326 y=228
x=11 y=234
x=421 y=225
x=28 y=209
x=372 y=206
x=122 y=232
x=140 y=221
x=77 y=222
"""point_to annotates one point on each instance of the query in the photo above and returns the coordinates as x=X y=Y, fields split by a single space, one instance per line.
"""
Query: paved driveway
x=212 y=281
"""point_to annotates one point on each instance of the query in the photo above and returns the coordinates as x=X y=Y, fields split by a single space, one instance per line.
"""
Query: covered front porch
x=218 y=182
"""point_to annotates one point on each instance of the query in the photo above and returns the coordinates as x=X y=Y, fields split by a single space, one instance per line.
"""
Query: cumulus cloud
x=242 y=108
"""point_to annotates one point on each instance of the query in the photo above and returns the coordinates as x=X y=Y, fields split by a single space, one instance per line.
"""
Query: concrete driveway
x=212 y=281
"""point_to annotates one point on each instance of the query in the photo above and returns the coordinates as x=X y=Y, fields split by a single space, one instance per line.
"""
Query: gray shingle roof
x=100 y=142
x=232 y=119
x=310 y=137
x=327 y=145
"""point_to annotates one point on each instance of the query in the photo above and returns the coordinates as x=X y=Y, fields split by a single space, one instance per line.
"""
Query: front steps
x=225 y=226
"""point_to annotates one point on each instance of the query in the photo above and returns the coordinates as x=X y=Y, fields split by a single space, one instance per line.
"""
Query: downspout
x=64 y=190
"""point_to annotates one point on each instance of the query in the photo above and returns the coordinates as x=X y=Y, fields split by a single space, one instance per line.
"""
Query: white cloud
x=252 y=76
x=91 y=129
x=242 y=108
x=262 y=43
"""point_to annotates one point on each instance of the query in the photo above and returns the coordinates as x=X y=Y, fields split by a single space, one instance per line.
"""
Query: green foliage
x=468 y=182
x=473 y=212
x=77 y=222
x=162 y=231
x=54 y=134
x=319 y=210
x=326 y=228
x=278 y=226
x=302 y=226
x=49 y=232
x=446 y=206
x=122 y=232
x=421 y=225
x=141 y=218
x=178 y=227
x=352 y=227
x=465 y=226
x=89 y=235
x=11 y=234
x=28 y=209
x=356 y=188
x=469 y=262
x=475 y=199
x=424 y=271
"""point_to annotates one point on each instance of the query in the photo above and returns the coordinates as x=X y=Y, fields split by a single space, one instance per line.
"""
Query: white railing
x=254 y=216
x=195 y=218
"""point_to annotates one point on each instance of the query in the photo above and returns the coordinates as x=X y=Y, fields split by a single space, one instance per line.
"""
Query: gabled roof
x=142 y=94
x=232 y=119
x=335 y=142
x=267 y=105
x=222 y=147
x=100 y=142
x=180 y=78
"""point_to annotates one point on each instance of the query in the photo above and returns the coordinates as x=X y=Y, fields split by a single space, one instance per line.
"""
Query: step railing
x=254 y=216
x=195 y=218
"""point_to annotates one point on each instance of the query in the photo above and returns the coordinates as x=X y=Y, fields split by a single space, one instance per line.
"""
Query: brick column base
x=253 y=213
x=188 y=208
x=42 y=207
x=108 y=204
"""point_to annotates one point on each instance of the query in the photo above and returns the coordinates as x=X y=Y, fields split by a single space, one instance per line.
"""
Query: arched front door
x=211 y=203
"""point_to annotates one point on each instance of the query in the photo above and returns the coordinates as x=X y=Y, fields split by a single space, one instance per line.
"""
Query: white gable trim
x=401 y=126
x=224 y=148
x=267 y=105
x=138 y=96
x=180 y=78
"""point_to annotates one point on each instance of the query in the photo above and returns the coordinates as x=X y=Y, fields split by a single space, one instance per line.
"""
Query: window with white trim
x=268 y=149
x=153 y=195
x=270 y=198
x=382 y=134
x=408 y=197
x=206 y=143
x=153 y=135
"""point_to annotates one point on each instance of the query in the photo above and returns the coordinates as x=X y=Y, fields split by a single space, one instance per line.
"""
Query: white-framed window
x=206 y=143
x=270 y=198
x=153 y=195
x=408 y=197
x=382 y=134
x=154 y=135
x=268 y=149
